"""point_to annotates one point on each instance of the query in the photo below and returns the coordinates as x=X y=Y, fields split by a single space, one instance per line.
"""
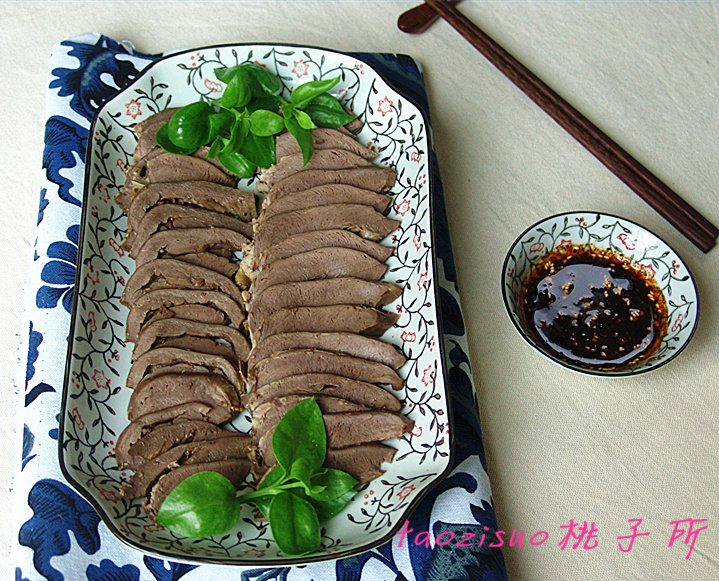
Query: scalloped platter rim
x=94 y=396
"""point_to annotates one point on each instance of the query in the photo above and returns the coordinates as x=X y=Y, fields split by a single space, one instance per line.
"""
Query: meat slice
x=170 y=273
x=372 y=177
x=164 y=391
x=145 y=424
x=298 y=361
x=147 y=128
x=233 y=447
x=363 y=462
x=169 y=243
x=208 y=306
x=235 y=470
x=322 y=159
x=219 y=264
x=329 y=319
x=347 y=343
x=307 y=241
x=319 y=264
x=215 y=197
x=364 y=220
x=267 y=415
x=161 y=332
x=177 y=216
x=159 y=166
x=156 y=361
x=161 y=438
x=322 y=138
x=324 y=195
x=315 y=384
x=319 y=293
x=349 y=429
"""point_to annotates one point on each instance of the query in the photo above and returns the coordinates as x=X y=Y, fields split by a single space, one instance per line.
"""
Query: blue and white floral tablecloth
x=59 y=535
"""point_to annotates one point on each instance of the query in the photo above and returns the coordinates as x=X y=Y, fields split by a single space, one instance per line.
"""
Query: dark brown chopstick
x=418 y=19
x=700 y=231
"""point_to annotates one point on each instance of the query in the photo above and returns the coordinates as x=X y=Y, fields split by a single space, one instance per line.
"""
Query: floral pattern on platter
x=651 y=255
x=95 y=397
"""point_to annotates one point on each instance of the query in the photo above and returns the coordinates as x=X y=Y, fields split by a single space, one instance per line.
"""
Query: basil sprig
x=241 y=124
x=295 y=496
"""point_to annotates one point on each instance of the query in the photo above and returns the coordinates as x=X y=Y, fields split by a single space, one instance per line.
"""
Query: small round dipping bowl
x=650 y=255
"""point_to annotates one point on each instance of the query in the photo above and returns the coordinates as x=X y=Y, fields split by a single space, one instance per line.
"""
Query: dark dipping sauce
x=593 y=308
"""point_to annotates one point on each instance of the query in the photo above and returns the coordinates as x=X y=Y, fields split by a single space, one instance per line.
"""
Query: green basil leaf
x=273 y=478
x=304 y=120
x=220 y=122
x=264 y=123
x=217 y=145
x=269 y=83
x=163 y=140
x=326 y=111
x=264 y=102
x=330 y=484
x=294 y=524
x=225 y=74
x=303 y=137
x=259 y=150
x=303 y=94
x=238 y=92
x=238 y=135
x=189 y=127
x=326 y=509
x=301 y=434
x=202 y=505
x=238 y=164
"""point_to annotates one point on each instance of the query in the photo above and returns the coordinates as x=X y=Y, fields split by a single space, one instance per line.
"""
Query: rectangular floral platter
x=95 y=397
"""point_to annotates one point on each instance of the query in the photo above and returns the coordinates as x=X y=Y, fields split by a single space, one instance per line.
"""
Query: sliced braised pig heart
x=215 y=197
x=375 y=178
x=319 y=264
x=322 y=138
x=157 y=361
x=144 y=424
x=159 y=166
x=324 y=195
x=233 y=447
x=235 y=470
x=267 y=415
x=307 y=241
x=328 y=319
x=161 y=438
x=165 y=332
x=219 y=264
x=323 y=159
x=169 y=273
x=298 y=361
x=163 y=391
x=170 y=243
x=347 y=343
x=364 y=220
x=349 y=291
x=146 y=130
x=206 y=306
x=363 y=462
x=349 y=429
x=316 y=384
x=179 y=217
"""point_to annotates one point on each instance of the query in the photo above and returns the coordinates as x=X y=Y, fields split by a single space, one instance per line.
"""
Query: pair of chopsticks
x=700 y=231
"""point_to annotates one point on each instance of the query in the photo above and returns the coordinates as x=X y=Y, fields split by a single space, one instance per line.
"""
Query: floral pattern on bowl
x=655 y=259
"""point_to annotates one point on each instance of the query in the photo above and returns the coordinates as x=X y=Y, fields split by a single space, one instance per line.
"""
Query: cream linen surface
x=560 y=445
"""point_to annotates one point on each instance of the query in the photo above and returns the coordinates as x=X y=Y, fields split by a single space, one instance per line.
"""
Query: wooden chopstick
x=700 y=231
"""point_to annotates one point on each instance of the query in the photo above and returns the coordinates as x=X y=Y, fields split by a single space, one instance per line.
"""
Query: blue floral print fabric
x=59 y=535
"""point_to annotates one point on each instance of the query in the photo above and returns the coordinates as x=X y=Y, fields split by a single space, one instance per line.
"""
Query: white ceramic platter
x=95 y=397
